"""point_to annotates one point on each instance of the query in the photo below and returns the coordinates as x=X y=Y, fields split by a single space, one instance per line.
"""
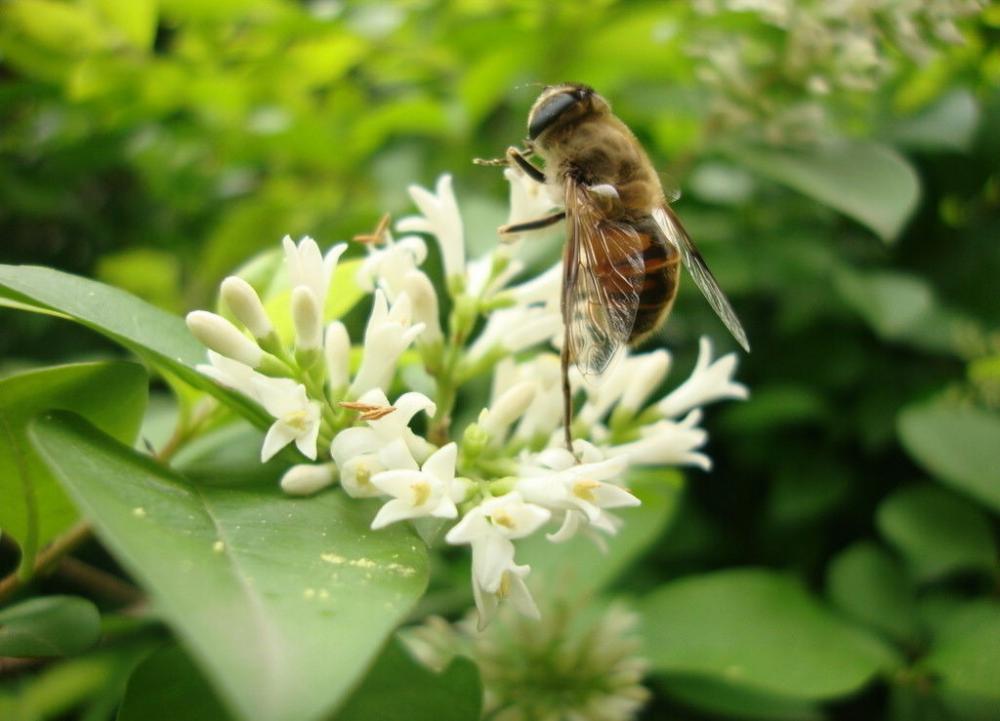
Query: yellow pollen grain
x=332 y=558
x=363 y=563
x=324 y=595
x=421 y=492
x=363 y=475
x=309 y=594
x=584 y=489
x=218 y=547
x=139 y=512
x=503 y=519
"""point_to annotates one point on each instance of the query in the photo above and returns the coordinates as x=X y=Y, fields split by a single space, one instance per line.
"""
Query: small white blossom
x=245 y=304
x=386 y=265
x=297 y=417
x=388 y=334
x=306 y=479
x=506 y=409
x=309 y=267
x=577 y=488
x=710 y=381
x=490 y=529
x=423 y=296
x=223 y=337
x=307 y=318
x=544 y=414
x=429 y=491
x=362 y=452
x=232 y=374
x=668 y=442
x=513 y=330
x=440 y=218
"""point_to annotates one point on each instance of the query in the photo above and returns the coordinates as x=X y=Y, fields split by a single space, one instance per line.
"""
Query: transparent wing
x=671 y=226
x=603 y=277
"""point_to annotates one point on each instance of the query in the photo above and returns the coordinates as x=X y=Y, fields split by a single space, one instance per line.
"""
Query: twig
x=100 y=583
x=52 y=553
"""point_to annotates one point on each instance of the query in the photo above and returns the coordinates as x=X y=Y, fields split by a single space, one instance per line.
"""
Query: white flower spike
x=440 y=218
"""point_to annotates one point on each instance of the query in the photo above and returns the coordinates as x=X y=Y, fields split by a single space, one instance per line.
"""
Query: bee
x=624 y=244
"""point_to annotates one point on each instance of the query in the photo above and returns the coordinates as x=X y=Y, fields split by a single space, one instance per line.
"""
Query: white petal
x=393 y=511
x=353 y=442
x=396 y=456
x=278 y=436
x=568 y=529
x=306 y=479
x=491 y=556
x=442 y=464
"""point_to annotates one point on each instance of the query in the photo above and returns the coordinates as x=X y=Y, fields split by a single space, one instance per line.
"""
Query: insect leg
x=531 y=224
x=532 y=172
x=567 y=393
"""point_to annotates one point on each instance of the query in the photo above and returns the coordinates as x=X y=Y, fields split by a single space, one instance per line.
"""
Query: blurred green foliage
x=840 y=172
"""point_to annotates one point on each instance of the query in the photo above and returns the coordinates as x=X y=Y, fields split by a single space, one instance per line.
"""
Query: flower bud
x=307 y=318
x=337 y=353
x=424 y=298
x=245 y=304
x=218 y=334
x=647 y=374
x=307 y=478
x=506 y=409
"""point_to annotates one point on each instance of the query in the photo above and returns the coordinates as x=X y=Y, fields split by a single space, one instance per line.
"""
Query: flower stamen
x=367 y=411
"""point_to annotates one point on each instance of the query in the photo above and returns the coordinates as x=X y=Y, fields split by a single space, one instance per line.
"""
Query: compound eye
x=550 y=112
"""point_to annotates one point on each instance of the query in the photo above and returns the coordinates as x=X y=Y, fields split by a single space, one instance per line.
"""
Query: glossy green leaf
x=168 y=686
x=579 y=567
x=398 y=688
x=49 y=626
x=958 y=444
x=966 y=651
x=949 y=124
x=111 y=395
x=154 y=334
x=937 y=532
x=721 y=698
x=866 y=181
x=869 y=585
x=281 y=601
x=758 y=630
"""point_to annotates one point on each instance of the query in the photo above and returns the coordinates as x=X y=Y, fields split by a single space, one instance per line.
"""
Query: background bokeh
x=838 y=163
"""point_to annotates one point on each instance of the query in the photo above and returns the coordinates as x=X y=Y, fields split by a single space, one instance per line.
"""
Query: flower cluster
x=776 y=80
x=505 y=475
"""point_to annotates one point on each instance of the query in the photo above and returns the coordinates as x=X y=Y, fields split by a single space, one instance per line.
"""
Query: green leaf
x=281 y=601
x=727 y=700
x=134 y=20
x=168 y=686
x=867 y=181
x=760 y=631
x=949 y=124
x=398 y=688
x=111 y=395
x=871 y=587
x=153 y=334
x=49 y=626
x=578 y=567
x=937 y=532
x=966 y=652
x=958 y=444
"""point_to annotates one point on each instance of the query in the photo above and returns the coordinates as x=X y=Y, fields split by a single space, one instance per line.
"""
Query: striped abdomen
x=661 y=263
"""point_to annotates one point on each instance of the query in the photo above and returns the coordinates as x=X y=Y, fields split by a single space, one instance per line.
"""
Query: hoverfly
x=624 y=244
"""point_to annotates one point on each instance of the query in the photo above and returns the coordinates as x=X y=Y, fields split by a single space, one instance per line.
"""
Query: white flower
x=545 y=412
x=362 y=452
x=308 y=478
x=423 y=296
x=507 y=408
x=218 y=334
x=490 y=529
x=308 y=267
x=577 y=488
x=513 y=330
x=245 y=304
x=387 y=335
x=429 y=491
x=298 y=417
x=483 y=280
x=386 y=265
x=439 y=217
x=709 y=381
x=232 y=374
x=627 y=382
x=668 y=442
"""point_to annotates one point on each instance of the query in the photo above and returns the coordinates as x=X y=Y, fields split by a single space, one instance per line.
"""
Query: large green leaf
x=398 y=688
x=958 y=444
x=966 y=651
x=725 y=699
x=937 y=532
x=757 y=630
x=871 y=586
x=111 y=395
x=282 y=601
x=158 y=336
x=49 y=626
x=168 y=686
x=578 y=566
x=867 y=181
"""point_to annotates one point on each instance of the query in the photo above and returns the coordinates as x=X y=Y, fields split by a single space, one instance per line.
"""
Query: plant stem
x=62 y=545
